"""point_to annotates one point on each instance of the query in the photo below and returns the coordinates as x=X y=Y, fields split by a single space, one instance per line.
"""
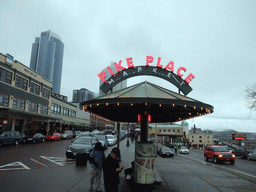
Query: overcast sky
x=214 y=40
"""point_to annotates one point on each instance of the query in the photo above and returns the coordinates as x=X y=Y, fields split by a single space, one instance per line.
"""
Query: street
x=43 y=167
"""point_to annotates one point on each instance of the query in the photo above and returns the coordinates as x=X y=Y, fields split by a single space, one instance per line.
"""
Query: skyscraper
x=47 y=58
x=82 y=95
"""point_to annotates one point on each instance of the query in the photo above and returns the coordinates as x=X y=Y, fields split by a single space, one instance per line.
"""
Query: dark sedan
x=34 y=138
x=80 y=149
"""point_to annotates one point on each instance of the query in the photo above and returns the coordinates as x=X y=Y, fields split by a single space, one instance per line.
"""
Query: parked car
x=84 y=134
x=183 y=150
x=111 y=139
x=76 y=133
x=34 y=138
x=80 y=149
x=67 y=134
x=246 y=151
x=252 y=155
x=53 y=136
x=95 y=132
x=218 y=154
x=103 y=140
x=166 y=151
x=10 y=137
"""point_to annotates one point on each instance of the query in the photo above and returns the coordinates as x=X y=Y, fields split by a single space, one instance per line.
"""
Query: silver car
x=183 y=150
x=252 y=156
x=166 y=151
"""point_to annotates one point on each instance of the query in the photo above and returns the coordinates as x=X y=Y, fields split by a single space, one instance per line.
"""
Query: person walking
x=111 y=170
x=96 y=158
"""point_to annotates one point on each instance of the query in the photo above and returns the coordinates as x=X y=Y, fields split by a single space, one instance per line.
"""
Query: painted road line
x=13 y=166
x=50 y=159
x=39 y=162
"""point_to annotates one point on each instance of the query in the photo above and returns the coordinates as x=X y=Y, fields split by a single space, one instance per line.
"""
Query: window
x=173 y=130
x=4 y=100
x=45 y=93
x=18 y=104
x=21 y=82
x=178 y=130
x=169 y=130
x=72 y=113
x=207 y=137
x=34 y=88
x=192 y=136
x=33 y=107
x=192 y=141
x=56 y=108
x=200 y=137
x=65 y=111
x=164 y=130
x=5 y=76
x=44 y=110
x=200 y=141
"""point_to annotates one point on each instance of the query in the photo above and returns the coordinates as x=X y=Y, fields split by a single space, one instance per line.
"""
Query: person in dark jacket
x=111 y=170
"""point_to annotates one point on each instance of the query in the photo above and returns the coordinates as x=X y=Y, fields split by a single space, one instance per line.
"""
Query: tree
x=251 y=97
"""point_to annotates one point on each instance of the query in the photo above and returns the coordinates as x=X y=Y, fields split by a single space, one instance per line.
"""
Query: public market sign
x=166 y=73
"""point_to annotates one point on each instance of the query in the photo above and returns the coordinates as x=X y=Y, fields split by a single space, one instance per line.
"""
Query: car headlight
x=220 y=155
x=233 y=156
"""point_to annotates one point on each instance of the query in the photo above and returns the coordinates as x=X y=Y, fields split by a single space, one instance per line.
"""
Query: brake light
x=245 y=153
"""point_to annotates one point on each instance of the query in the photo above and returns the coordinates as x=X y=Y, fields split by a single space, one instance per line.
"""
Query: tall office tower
x=47 y=58
x=82 y=95
x=117 y=87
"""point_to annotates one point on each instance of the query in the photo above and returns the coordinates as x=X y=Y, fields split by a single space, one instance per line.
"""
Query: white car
x=67 y=134
x=183 y=150
x=111 y=139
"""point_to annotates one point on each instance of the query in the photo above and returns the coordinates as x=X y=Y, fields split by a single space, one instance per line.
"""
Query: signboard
x=144 y=163
x=166 y=73
x=9 y=59
x=238 y=135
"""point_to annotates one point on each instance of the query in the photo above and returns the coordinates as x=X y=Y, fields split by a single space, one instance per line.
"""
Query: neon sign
x=166 y=73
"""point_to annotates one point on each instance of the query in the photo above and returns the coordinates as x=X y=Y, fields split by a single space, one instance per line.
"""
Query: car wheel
x=206 y=158
x=248 y=157
x=1 y=143
x=16 y=142
x=232 y=162
x=215 y=160
x=43 y=140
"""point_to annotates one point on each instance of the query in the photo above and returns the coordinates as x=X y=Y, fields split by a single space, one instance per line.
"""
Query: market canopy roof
x=162 y=104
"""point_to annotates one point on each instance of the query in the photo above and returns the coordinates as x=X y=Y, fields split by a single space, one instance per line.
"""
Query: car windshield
x=101 y=137
x=165 y=149
x=110 y=136
x=184 y=148
x=55 y=134
x=83 y=140
x=83 y=134
x=66 y=132
x=221 y=149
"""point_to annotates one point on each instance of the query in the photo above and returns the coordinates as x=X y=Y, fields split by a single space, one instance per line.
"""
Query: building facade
x=47 y=58
x=174 y=134
x=27 y=102
x=82 y=95
x=200 y=139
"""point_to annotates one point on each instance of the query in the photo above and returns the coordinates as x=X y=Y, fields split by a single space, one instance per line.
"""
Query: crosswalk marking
x=53 y=160
x=13 y=166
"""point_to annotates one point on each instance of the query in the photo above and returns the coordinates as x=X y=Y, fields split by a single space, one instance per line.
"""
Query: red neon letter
x=149 y=118
x=110 y=71
x=149 y=59
x=129 y=62
x=119 y=66
x=189 y=78
x=139 y=117
x=168 y=66
x=102 y=76
x=181 y=68
x=158 y=62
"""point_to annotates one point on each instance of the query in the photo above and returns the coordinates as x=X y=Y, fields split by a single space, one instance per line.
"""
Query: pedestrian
x=111 y=170
x=96 y=158
x=176 y=148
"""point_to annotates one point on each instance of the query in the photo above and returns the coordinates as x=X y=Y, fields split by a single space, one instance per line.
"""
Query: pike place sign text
x=166 y=73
